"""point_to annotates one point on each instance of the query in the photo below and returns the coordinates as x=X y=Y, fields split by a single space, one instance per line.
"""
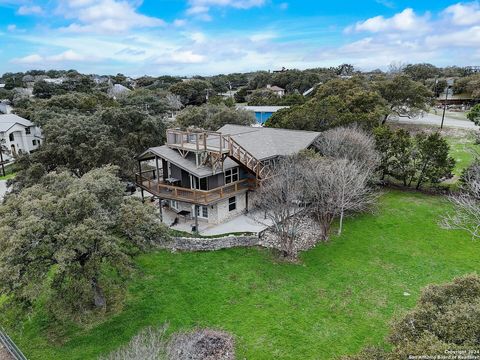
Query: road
x=3 y=188
x=436 y=120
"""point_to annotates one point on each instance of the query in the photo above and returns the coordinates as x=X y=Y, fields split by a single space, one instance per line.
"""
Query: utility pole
x=1 y=161
x=449 y=84
x=444 y=107
x=1 y=157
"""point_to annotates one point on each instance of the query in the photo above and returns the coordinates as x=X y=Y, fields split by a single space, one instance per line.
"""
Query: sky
x=206 y=37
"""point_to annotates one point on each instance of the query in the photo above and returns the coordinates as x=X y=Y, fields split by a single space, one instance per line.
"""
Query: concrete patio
x=253 y=222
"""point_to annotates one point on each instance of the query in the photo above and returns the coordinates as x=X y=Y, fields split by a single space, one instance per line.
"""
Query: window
x=199 y=184
x=27 y=130
x=34 y=142
x=202 y=211
x=174 y=204
x=11 y=137
x=232 y=203
x=231 y=175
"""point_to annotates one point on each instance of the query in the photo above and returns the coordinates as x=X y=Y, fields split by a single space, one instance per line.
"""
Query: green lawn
x=340 y=298
x=462 y=149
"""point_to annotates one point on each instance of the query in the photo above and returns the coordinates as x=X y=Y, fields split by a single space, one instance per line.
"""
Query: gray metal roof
x=271 y=109
x=8 y=120
x=265 y=143
x=188 y=163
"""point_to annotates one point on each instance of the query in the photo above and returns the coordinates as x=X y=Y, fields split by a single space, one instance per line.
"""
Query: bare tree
x=335 y=188
x=280 y=197
x=466 y=213
x=351 y=143
x=149 y=344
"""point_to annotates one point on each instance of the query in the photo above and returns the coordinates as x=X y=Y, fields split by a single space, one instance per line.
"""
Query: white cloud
x=105 y=16
x=404 y=21
x=283 y=6
x=181 y=57
x=200 y=8
x=179 y=22
x=469 y=38
x=12 y=27
x=68 y=55
x=464 y=13
x=29 y=59
x=29 y=10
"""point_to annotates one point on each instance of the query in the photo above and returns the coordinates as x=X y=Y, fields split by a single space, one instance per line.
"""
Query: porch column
x=160 y=209
x=158 y=170
x=195 y=209
x=140 y=178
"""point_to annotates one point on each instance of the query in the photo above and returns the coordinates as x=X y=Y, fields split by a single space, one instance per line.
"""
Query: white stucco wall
x=22 y=142
x=220 y=212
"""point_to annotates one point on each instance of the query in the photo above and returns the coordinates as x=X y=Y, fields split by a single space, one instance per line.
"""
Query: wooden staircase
x=212 y=148
x=245 y=158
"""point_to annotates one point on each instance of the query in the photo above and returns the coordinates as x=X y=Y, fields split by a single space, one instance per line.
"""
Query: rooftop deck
x=198 y=141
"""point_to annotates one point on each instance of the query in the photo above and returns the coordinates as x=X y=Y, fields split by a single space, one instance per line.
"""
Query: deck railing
x=197 y=141
x=194 y=196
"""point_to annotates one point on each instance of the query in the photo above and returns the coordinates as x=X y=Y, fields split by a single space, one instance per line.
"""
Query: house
x=262 y=113
x=18 y=135
x=118 y=90
x=5 y=107
x=277 y=90
x=211 y=176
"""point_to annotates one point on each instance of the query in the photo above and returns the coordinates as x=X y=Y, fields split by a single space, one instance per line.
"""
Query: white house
x=277 y=90
x=19 y=135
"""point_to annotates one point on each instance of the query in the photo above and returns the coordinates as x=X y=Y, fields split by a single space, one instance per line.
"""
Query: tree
x=474 y=114
x=414 y=160
x=333 y=188
x=466 y=204
x=339 y=102
x=213 y=117
x=350 y=143
x=192 y=92
x=153 y=102
x=280 y=197
x=421 y=72
x=65 y=241
x=44 y=90
x=445 y=321
x=262 y=97
x=405 y=97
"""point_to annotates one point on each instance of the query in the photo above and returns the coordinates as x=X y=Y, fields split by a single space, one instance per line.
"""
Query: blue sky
x=187 y=37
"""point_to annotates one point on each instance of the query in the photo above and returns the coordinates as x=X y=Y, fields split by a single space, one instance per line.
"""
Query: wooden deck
x=192 y=196
x=212 y=142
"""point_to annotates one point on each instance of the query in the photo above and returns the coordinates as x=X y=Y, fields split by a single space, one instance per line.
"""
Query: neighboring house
x=19 y=135
x=5 y=107
x=277 y=90
x=262 y=113
x=118 y=90
x=230 y=94
x=456 y=99
x=210 y=175
x=56 y=81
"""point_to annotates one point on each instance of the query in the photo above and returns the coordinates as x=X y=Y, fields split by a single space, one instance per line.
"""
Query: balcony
x=192 y=196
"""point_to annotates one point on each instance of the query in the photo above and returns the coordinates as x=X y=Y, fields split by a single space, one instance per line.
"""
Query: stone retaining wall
x=210 y=244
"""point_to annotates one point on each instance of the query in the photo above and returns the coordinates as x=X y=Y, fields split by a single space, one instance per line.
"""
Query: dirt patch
x=203 y=344
x=4 y=354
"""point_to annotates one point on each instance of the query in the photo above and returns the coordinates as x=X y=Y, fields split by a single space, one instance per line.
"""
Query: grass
x=339 y=298
x=10 y=172
x=462 y=149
